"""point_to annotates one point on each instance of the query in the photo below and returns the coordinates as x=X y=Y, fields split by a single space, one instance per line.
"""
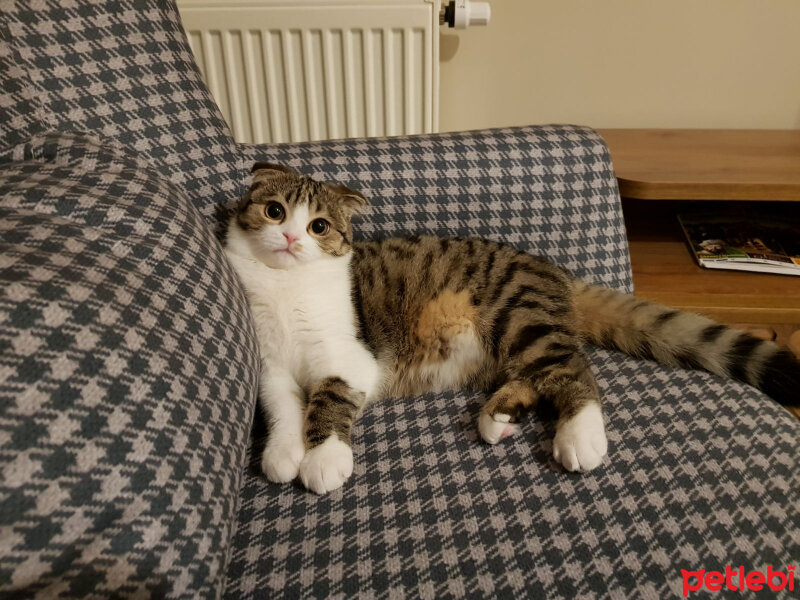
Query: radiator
x=318 y=69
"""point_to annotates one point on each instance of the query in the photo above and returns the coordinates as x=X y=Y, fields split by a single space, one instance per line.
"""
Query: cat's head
x=289 y=219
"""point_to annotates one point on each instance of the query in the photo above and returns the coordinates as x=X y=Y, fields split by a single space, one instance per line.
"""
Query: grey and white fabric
x=128 y=364
x=128 y=371
x=123 y=70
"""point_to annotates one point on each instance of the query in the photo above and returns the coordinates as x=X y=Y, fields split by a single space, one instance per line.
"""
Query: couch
x=129 y=428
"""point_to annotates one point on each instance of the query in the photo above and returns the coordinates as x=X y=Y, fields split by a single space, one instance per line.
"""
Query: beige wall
x=626 y=63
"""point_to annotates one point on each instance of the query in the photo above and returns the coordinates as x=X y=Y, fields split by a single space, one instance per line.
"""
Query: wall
x=626 y=63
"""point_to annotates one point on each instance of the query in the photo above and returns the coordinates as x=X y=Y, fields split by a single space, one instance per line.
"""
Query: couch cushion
x=128 y=370
x=121 y=69
x=702 y=473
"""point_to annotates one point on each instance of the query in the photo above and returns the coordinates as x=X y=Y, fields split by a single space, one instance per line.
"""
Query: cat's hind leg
x=543 y=361
x=332 y=408
x=505 y=407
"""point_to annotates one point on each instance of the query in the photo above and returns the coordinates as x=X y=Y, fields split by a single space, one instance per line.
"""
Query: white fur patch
x=281 y=458
x=327 y=466
x=466 y=355
x=495 y=428
x=580 y=443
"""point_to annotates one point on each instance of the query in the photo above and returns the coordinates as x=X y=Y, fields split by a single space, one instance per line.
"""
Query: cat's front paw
x=281 y=458
x=580 y=443
x=327 y=466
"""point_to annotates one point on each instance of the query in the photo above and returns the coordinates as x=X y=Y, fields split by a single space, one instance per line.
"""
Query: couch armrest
x=128 y=378
x=549 y=190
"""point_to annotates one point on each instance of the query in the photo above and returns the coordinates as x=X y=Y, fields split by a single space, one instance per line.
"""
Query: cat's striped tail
x=623 y=322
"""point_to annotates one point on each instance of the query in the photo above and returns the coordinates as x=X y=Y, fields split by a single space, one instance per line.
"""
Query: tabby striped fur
x=532 y=318
x=420 y=314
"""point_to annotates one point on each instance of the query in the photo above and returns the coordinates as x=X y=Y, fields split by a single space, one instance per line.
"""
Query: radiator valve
x=460 y=14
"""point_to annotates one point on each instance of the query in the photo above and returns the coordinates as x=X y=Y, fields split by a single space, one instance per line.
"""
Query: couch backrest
x=549 y=190
x=121 y=69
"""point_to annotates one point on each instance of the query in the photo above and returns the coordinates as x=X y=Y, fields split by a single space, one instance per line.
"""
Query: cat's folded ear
x=262 y=169
x=352 y=200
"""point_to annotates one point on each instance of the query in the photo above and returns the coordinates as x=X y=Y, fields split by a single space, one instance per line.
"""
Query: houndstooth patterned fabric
x=128 y=364
x=701 y=473
x=20 y=111
x=128 y=370
x=548 y=190
x=121 y=69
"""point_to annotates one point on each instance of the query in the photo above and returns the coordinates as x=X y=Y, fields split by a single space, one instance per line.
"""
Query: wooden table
x=664 y=172
x=706 y=164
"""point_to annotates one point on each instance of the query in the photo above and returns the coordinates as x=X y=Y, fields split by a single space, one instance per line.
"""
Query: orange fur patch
x=443 y=318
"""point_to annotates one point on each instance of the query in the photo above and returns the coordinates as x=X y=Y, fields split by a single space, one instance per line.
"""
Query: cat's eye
x=319 y=227
x=274 y=211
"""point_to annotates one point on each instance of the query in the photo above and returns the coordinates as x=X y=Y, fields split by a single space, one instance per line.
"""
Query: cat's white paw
x=327 y=466
x=580 y=443
x=281 y=458
x=495 y=428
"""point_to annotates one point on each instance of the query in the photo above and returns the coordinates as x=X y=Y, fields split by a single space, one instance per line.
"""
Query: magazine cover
x=765 y=245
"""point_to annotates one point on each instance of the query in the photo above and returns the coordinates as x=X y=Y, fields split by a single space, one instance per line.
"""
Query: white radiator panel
x=318 y=70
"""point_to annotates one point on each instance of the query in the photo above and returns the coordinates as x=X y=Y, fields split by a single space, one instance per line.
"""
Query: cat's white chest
x=300 y=310
x=305 y=322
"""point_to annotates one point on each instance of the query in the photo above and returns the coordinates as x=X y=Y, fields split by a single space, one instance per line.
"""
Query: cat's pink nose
x=290 y=239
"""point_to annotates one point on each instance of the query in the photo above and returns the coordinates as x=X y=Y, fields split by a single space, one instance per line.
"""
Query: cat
x=341 y=324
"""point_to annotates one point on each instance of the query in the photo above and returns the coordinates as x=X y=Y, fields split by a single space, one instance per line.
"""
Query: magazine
x=763 y=245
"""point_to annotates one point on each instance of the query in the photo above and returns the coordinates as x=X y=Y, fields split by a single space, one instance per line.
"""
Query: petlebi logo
x=736 y=579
